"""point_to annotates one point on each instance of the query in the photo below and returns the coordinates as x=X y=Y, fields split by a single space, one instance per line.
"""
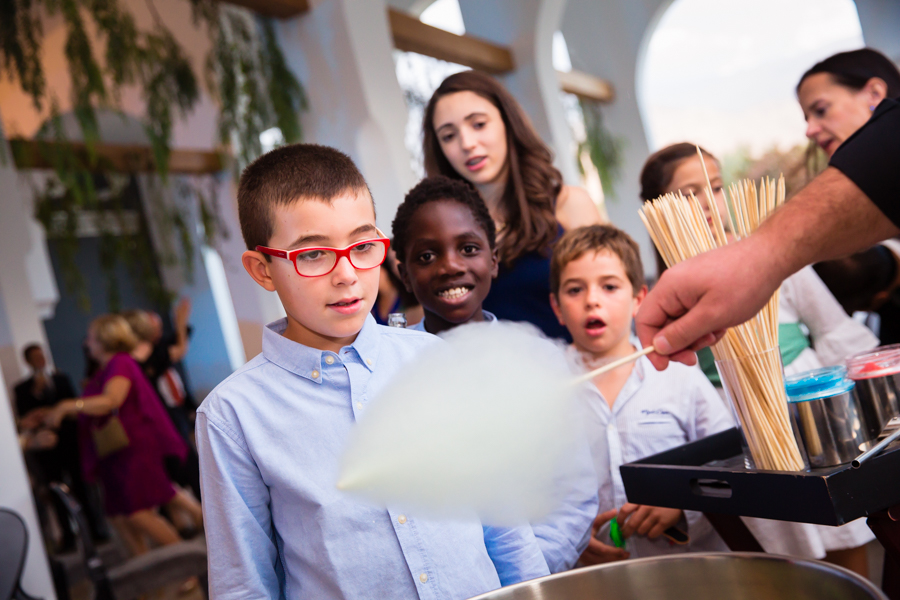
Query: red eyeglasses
x=315 y=262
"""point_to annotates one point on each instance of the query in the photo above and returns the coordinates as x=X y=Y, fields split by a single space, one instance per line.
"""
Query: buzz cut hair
x=291 y=174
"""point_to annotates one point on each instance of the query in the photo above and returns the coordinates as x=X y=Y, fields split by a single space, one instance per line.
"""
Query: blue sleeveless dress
x=522 y=293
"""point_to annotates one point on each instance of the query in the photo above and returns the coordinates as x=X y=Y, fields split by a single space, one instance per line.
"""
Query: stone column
x=880 y=20
x=23 y=268
x=342 y=52
x=607 y=39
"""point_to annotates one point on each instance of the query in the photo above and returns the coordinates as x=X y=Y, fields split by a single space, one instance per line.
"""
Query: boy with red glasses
x=270 y=437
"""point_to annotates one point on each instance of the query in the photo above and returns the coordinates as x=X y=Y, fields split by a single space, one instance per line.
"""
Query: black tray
x=709 y=476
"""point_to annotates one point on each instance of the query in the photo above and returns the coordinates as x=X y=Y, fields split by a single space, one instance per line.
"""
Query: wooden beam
x=586 y=86
x=33 y=154
x=412 y=35
x=280 y=9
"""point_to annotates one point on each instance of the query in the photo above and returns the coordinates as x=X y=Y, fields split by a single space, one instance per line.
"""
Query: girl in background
x=814 y=332
x=475 y=130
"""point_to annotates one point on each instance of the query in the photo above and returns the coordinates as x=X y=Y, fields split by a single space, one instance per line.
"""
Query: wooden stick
x=614 y=364
x=679 y=229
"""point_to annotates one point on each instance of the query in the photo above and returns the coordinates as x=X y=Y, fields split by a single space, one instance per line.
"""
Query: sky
x=723 y=72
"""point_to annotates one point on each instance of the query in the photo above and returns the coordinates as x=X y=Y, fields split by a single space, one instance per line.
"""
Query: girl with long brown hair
x=475 y=130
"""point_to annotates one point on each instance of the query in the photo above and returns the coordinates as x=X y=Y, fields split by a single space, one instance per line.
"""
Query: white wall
x=15 y=494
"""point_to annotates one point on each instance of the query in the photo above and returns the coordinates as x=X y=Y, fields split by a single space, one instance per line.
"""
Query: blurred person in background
x=161 y=364
x=52 y=456
x=123 y=435
x=475 y=130
x=185 y=473
x=838 y=96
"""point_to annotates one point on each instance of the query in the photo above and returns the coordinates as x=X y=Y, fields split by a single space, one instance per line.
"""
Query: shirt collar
x=307 y=362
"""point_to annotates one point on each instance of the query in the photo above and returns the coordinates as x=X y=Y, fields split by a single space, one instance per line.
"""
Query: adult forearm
x=830 y=218
x=95 y=406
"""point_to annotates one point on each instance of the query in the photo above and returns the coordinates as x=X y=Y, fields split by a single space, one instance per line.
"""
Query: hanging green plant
x=245 y=70
x=604 y=149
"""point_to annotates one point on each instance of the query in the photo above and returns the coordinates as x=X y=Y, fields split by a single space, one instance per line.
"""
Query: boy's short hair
x=434 y=189
x=594 y=238
x=289 y=174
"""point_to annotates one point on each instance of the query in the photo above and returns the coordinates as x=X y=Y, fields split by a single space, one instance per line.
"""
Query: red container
x=877 y=377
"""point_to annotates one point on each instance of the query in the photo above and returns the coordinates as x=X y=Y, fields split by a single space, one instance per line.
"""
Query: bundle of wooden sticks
x=748 y=357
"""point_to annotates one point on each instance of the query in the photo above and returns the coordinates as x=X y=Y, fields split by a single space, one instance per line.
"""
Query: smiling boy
x=270 y=437
x=597 y=286
x=446 y=247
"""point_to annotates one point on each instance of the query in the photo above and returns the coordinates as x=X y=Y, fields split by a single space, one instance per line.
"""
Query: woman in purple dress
x=130 y=467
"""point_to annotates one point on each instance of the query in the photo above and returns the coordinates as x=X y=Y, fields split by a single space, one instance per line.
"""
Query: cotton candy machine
x=736 y=576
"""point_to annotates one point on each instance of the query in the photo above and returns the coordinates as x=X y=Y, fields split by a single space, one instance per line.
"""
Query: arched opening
x=723 y=74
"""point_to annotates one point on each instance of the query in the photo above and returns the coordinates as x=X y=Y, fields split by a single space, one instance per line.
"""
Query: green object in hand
x=615 y=534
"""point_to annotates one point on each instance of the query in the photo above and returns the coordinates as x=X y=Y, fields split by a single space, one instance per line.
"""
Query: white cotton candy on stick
x=484 y=422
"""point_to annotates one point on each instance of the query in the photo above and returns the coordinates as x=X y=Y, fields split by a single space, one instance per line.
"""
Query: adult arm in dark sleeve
x=870 y=158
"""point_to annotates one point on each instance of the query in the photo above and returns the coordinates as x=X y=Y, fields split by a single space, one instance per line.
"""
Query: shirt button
x=369 y=361
x=329 y=359
x=401 y=519
x=359 y=406
x=423 y=577
x=315 y=374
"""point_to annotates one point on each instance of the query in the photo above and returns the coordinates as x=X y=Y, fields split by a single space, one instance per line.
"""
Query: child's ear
x=495 y=263
x=258 y=267
x=638 y=300
x=554 y=304
x=404 y=276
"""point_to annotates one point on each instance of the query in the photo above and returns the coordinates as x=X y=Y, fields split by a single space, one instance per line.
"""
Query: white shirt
x=655 y=411
x=833 y=333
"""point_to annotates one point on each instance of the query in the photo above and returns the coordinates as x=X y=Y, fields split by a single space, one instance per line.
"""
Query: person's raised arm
x=179 y=349
x=114 y=394
x=829 y=218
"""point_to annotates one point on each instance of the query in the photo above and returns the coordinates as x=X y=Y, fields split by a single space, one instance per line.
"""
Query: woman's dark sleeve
x=870 y=158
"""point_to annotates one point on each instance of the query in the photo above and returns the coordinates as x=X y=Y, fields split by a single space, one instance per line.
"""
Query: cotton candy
x=483 y=423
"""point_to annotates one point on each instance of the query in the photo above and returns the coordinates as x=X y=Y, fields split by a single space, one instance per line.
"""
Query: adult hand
x=54 y=417
x=649 y=521
x=597 y=552
x=33 y=418
x=695 y=301
x=44 y=439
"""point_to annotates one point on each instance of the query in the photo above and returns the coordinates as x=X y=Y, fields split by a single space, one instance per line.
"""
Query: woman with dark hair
x=475 y=130
x=838 y=95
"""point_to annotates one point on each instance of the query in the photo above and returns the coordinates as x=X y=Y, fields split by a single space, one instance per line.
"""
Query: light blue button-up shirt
x=655 y=411
x=270 y=438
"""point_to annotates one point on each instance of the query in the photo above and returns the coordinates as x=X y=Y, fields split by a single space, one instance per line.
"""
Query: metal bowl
x=734 y=575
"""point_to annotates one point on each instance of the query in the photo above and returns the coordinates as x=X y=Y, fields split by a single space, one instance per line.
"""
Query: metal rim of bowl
x=817 y=564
